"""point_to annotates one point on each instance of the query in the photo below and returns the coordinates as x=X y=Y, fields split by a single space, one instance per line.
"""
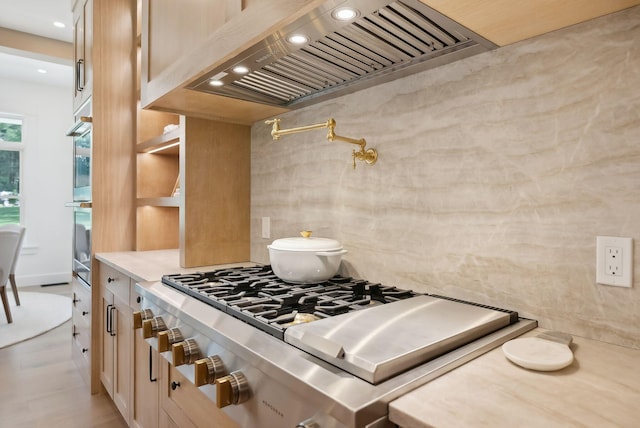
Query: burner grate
x=257 y=296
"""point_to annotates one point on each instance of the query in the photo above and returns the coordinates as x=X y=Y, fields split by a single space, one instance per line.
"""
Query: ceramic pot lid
x=306 y=243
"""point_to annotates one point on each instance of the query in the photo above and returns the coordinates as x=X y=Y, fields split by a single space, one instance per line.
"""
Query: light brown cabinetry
x=105 y=74
x=215 y=181
x=202 y=35
x=158 y=167
x=81 y=327
x=116 y=347
x=82 y=51
x=194 y=195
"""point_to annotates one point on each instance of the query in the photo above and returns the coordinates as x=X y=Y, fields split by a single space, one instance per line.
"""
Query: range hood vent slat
x=394 y=39
x=340 y=75
x=377 y=29
x=427 y=26
x=320 y=77
x=338 y=59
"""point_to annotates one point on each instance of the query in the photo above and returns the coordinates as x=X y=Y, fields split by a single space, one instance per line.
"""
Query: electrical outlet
x=614 y=261
x=266 y=227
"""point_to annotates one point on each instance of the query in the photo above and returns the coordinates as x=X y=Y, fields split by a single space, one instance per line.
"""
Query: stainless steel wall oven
x=81 y=133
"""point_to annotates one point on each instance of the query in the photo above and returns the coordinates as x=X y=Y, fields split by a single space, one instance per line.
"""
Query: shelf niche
x=158 y=166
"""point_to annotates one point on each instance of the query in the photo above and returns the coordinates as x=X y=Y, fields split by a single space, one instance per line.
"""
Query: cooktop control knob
x=150 y=328
x=167 y=338
x=232 y=389
x=139 y=316
x=207 y=370
x=185 y=352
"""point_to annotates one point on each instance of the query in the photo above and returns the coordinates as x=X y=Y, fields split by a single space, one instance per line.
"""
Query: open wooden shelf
x=158 y=166
x=166 y=144
x=170 y=201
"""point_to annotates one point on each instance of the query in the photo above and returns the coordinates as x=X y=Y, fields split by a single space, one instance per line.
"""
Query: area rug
x=37 y=314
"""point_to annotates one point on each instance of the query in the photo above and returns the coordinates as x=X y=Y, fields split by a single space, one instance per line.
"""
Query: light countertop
x=601 y=388
x=151 y=265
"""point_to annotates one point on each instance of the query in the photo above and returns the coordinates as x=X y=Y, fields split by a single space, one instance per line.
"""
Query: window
x=10 y=168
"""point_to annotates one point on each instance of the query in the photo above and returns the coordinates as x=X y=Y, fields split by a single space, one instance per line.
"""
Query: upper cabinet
x=82 y=51
x=186 y=48
x=183 y=42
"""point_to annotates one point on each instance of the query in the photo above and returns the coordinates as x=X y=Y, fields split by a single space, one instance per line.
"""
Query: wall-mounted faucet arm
x=370 y=156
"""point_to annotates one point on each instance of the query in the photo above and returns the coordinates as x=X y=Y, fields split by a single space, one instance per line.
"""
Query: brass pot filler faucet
x=370 y=156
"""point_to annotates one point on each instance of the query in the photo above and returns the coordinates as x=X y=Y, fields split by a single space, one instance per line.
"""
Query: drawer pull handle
x=174 y=385
x=110 y=280
x=151 y=378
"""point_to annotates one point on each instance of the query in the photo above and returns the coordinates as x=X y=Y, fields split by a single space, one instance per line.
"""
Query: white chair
x=12 y=273
x=9 y=242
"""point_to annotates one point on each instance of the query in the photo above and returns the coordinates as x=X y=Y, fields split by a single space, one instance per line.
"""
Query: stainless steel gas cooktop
x=367 y=329
x=333 y=354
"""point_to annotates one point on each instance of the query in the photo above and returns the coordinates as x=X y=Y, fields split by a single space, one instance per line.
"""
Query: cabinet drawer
x=115 y=281
x=187 y=400
x=81 y=333
x=81 y=318
x=81 y=297
x=81 y=350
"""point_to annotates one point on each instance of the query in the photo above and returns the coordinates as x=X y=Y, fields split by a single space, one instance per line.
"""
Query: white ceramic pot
x=305 y=259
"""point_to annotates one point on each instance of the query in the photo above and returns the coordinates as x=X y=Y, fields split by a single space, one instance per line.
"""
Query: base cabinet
x=116 y=338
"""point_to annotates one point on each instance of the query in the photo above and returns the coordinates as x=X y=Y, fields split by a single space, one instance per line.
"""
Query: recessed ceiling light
x=240 y=69
x=344 y=14
x=42 y=71
x=216 y=82
x=298 y=39
x=59 y=24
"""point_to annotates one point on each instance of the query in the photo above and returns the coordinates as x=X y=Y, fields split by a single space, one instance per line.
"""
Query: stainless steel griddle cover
x=380 y=342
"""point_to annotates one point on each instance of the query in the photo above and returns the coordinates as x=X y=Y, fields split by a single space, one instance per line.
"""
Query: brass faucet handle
x=306 y=233
x=275 y=127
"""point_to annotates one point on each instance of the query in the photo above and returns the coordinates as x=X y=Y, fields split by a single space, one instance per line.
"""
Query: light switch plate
x=614 y=261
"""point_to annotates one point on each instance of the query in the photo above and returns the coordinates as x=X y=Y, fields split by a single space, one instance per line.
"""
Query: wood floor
x=41 y=387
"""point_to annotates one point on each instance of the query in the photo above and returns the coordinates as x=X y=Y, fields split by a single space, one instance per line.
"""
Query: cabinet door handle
x=110 y=280
x=109 y=319
x=80 y=75
x=113 y=308
x=175 y=385
x=151 y=378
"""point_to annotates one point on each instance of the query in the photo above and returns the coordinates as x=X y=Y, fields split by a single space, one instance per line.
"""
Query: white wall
x=46 y=179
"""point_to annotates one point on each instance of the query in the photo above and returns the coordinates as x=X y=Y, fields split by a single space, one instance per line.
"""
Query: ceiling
x=36 y=17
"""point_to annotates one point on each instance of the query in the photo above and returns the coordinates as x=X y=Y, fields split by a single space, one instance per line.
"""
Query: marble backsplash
x=496 y=174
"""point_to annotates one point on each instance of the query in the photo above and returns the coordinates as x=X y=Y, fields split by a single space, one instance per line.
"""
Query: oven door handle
x=83 y=204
